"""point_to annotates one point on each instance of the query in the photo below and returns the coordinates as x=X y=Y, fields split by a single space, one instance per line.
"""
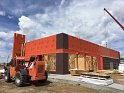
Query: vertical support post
x=85 y=62
x=62 y=63
x=62 y=58
x=76 y=62
x=92 y=63
x=100 y=63
x=101 y=59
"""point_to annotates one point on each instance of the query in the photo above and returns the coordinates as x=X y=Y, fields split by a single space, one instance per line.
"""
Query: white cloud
x=61 y=3
x=6 y=35
x=2 y=13
x=4 y=55
x=3 y=50
x=85 y=19
x=2 y=44
x=25 y=22
x=10 y=17
x=5 y=45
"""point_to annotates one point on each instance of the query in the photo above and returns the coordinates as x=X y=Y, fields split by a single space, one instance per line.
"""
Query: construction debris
x=121 y=68
x=108 y=71
x=92 y=77
x=76 y=72
x=96 y=80
x=1 y=73
x=96 y=75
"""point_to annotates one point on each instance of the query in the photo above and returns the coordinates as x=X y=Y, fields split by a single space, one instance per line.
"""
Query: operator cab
x=18 y=62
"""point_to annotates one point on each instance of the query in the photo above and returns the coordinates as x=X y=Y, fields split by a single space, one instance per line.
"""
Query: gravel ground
x=118 y=78
x=50 y=87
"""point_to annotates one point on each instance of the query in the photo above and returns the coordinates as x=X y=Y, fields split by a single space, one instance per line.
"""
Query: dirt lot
x=49 y=87
x=118 y=78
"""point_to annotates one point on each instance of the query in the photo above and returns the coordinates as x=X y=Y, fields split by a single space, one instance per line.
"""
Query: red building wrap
x=61 y=43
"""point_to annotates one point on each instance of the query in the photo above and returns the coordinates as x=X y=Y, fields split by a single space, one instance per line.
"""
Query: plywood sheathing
x=50 y=61
x=90 y=61
x=71 y=61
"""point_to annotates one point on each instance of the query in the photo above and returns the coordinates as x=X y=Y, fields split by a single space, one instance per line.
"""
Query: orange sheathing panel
x=83 y=46
x=79 y=45
x=41 y=46
x=74 y=52
x=108 y=52
x=48 y=45
x=17 y=44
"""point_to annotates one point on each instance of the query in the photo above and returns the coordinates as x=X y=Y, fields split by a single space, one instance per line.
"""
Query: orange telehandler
x=22 y=71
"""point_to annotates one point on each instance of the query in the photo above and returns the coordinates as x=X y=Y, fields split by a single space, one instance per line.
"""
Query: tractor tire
x=7 y=76
x=19 y=79
x=46 y=74
x=43 y=81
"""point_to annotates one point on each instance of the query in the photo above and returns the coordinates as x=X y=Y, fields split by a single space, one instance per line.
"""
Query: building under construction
x=62 y=52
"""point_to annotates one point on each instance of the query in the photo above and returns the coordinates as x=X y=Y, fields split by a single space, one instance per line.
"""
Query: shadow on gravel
x=37 y=83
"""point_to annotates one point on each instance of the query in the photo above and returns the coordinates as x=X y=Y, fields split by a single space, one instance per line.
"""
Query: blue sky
x=14 y=9
x=82 y=18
